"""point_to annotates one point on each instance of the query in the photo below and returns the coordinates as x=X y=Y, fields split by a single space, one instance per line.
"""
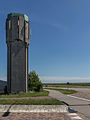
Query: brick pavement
x=34 y=116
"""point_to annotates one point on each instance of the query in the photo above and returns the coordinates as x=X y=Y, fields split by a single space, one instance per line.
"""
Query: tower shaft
x=17 y=39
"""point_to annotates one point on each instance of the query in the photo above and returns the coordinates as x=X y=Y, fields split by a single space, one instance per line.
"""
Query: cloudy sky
x=59 y=50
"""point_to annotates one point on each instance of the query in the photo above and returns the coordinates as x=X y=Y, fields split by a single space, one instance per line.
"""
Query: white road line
x=72 y=114
x=79 y=98
x=77 y=117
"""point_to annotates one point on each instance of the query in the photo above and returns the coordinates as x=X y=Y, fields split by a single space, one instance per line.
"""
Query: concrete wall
x=18 y=63
x=17 y=38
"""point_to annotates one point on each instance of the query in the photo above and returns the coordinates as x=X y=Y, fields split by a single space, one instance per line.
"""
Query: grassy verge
x=29 y=94
x=64 y=91
x=72 y=85
x=1 y=92
x=31 y=102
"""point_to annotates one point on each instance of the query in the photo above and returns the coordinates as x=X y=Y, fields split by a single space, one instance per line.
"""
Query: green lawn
x=31 y=102
x=29 y=94
x=64 y=91
x=72 y=85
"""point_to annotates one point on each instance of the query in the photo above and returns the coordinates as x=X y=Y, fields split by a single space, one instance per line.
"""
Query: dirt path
x=27 y=98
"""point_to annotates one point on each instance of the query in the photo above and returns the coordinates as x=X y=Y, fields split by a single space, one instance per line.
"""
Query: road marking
x=79 y=98
x=77 y=117
x=72 y=114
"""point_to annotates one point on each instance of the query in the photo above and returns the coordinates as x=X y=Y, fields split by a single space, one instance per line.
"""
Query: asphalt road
x=76 y=104
x=86 y=90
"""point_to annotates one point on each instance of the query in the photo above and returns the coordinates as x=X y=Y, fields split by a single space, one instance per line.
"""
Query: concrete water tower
x=17 y=39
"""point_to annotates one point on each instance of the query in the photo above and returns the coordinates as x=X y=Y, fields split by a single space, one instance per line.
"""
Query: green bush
x=34 y=83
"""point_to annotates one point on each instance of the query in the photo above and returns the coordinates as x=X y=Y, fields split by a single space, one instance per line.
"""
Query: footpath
x=75 y=104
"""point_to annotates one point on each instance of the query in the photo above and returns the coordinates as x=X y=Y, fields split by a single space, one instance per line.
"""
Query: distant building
x=17 y=39
x=2 y=85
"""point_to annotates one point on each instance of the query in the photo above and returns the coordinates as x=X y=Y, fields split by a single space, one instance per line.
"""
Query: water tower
x=17 y=39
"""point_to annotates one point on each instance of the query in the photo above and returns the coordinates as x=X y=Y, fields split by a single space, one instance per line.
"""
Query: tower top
x=10 y=15
x=17 y=28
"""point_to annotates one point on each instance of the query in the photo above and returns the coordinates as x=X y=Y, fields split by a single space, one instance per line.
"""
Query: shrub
x=5 y=90
x=34 y=83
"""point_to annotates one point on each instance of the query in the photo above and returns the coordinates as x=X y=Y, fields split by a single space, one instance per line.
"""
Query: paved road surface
x=86 y=90
x=82 y=92
x=78 y=89
x=76 y=104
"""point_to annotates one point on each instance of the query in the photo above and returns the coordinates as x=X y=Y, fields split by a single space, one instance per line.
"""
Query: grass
x=50 y=101
x=31 y=102
x=29 y=94
x=71 y=85
x=1 y=92
x=64 y=91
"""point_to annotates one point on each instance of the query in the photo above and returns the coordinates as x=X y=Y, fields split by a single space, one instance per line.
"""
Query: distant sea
x=64 y=80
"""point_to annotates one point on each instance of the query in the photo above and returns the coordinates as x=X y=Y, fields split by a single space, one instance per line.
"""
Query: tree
x=5 y=90
x=34 y=83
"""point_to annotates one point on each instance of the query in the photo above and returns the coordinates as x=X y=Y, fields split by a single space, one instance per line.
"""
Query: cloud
x=59 y=26
x=46 y=79
x=48 y=22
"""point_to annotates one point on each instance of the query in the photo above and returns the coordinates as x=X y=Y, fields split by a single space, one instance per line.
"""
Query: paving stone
x=34 y=116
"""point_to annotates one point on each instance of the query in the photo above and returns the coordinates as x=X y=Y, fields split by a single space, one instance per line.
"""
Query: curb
x=33 y=108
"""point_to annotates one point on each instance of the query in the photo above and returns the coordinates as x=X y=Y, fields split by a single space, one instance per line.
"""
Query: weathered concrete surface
x=33 y=108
